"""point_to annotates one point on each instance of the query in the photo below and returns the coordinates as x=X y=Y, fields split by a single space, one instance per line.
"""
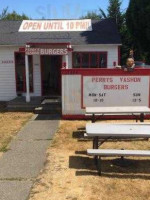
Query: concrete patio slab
x=8 y=190
x=32 y=146
x=22 y=162
x=36 y=130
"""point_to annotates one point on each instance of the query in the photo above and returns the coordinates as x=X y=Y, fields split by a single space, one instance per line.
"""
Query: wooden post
x=67 y=61
x=27 y=79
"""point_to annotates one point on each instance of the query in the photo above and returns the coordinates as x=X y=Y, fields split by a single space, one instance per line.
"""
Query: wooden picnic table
x=101 y=111
x=110 y=131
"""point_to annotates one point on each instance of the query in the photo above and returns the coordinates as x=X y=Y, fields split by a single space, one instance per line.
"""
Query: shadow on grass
x=42 y=117
x=85 y=166
x=78 y=134
x=80 y=162
x=81 y=152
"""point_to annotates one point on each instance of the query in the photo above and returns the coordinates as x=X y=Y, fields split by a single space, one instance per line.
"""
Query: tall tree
x=138 y=22
x=127 y=42
x=114 y=11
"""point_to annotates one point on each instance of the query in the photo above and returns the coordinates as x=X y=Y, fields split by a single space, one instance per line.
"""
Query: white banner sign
x=55 y=25
x=109 y=91
x=42 y=51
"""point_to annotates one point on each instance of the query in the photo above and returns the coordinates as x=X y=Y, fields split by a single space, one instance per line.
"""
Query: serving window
x=20 y=72
x=89 y=59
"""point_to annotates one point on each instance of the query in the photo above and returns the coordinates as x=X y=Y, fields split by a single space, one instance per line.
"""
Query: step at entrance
x=19 y=104
x=50 y=105
x=3 y=106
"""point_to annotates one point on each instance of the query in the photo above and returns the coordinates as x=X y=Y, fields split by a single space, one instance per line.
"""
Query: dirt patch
x=70 y=174
x=10 y=124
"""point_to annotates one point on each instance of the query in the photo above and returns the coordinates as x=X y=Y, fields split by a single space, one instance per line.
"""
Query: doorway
x=51 y=75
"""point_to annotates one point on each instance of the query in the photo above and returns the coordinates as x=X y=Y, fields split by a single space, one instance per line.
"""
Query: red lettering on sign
x=116 y=87
x=130 y=79
x=102 y=80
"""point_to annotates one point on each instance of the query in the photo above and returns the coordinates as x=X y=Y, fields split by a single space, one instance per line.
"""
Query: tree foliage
x=103 y=15
x=91 y=15
x=138 y=22
x=5 y=15
x=114 y=12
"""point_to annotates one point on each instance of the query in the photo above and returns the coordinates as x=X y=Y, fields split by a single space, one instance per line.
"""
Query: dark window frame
x=97 y=53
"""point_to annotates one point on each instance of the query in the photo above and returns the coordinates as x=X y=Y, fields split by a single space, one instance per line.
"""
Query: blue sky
x=37 y=9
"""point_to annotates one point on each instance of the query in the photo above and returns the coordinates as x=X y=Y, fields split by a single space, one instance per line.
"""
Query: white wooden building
x=29 y=74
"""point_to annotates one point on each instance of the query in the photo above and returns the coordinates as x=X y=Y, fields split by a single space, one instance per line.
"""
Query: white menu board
x=109 y=91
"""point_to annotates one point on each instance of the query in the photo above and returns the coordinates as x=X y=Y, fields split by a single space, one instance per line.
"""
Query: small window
x=94 y=60
x=85 y=60
x=77 y=60
x=102 y=60
x=90 y=60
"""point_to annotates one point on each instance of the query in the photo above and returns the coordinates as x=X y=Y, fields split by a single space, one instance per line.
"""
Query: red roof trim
x=31 y=43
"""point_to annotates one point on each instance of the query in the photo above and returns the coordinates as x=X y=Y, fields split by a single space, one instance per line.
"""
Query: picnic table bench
x=106 y=131
x=136 y=111
x=115 y=153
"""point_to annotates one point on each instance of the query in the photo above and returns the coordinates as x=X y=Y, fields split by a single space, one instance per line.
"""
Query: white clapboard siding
x=7 y=74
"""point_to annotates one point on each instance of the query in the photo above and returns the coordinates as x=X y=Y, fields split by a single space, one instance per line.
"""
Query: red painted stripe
x=112 y=117
x=105 y=72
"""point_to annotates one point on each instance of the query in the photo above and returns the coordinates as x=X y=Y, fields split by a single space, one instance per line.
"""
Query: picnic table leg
x=142 y=120
x=95 y=146
x=136 y=118
x=142 y=117
x=93 y=118
x=99 y=166
x=95 y=143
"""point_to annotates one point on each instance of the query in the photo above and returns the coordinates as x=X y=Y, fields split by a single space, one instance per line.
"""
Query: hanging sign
x=46 y=51
x=55 y=25
x=109 y=91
